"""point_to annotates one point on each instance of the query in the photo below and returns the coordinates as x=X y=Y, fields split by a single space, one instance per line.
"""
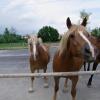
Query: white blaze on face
x=32 y=41
x=34 y=50
x=34 y=46
x=89 y=43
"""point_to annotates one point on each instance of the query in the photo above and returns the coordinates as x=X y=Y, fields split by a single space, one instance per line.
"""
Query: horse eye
x=72 y=35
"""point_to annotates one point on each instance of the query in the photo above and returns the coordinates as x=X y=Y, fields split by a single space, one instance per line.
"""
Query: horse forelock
x=35 y=41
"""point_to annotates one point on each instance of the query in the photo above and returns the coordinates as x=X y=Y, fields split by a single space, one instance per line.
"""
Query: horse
x=95 y=41
x=38 y=57
x=71 y=53
x=95 y=64
x=88 y=67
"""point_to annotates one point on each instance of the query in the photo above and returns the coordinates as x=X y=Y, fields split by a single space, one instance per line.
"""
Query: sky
x=28 y=16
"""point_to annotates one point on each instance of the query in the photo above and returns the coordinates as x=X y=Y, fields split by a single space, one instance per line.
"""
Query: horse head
x=33 y=43
x=76 y=41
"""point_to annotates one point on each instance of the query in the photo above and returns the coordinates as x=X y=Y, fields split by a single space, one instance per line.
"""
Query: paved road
x=16 y=61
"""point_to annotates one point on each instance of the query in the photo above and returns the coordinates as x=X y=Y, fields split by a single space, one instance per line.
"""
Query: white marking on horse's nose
x=34 y=51
x=89 y=43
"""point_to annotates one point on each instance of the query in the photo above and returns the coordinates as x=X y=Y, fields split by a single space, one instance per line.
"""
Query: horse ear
x=68 y=23
x=84 y=23
x=40 y=40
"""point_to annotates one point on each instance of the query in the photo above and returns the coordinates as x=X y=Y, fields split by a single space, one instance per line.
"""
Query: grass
x=13 y=46
x=8 y=46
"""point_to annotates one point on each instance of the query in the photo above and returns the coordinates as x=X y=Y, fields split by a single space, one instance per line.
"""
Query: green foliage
x=48 y=34
x=10 y=37
x=96 y=32
x=10 y=46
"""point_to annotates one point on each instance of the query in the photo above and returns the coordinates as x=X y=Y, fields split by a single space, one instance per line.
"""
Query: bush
x=48 y=34
x=96 y=32
x=11 y=37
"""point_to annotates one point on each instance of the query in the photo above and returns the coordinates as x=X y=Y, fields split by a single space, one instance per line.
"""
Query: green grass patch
x=6 y=46
x=11 y=46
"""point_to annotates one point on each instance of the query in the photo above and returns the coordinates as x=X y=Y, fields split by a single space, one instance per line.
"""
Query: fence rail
x=22 y=75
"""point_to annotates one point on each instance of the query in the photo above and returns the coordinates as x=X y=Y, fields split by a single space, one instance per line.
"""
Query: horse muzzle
x=88 y=55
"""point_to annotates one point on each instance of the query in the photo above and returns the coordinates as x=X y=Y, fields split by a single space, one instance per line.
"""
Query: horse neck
x=66 y=55
x=41 y=49
x=94 y=41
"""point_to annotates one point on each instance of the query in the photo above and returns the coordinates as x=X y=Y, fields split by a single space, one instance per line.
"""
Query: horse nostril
x=87 y=50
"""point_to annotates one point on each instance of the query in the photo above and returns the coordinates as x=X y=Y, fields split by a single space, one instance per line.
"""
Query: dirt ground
x=16 y=61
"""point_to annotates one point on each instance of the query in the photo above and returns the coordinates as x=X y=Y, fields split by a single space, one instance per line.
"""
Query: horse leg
x=56 y=88
x=45 y=79
x=32 y=79
x=37 y=70
x=73 y=89
x=65 y=85
x=88 y=66
x=31 y=87
x=94 y=68
x=84 y=66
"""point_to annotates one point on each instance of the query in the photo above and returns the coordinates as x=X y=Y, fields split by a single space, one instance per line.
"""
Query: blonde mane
x=40 y=41
x=37 y=40
x=64 y=40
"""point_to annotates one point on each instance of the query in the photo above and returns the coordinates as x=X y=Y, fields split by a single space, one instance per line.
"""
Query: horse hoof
x=31 y=90
x=65 y=90
x=89 y=86
x=46 y=85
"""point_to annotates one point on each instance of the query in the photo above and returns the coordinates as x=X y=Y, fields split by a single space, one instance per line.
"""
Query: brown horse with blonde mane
x=38 y=58
x=70 y=55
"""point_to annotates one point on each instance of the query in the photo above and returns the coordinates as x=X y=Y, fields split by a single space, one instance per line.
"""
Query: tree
x=2 y=39
x=96 y=32
x=10 y=36
x=48 y=34
x=6 y=35
x=13 y=30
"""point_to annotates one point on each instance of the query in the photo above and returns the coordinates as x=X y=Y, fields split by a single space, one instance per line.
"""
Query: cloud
x=34 y=14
